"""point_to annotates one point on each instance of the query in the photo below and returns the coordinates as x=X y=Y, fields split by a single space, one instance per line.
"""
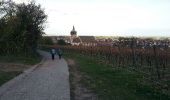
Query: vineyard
x=152 y=62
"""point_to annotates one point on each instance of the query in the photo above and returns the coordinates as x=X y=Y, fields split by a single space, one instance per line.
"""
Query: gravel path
x=50 y=81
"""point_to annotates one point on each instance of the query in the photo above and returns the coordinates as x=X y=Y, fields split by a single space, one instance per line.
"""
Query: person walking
x=59 y=52
x=53 y=52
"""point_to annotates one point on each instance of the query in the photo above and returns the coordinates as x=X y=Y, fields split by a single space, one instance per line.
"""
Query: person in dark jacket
x=59 y=52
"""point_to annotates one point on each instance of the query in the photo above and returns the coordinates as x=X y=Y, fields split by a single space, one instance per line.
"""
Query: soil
x=9 y=67
x=78 y=90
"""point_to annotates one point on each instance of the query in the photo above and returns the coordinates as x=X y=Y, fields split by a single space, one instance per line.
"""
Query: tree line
x=21 y=26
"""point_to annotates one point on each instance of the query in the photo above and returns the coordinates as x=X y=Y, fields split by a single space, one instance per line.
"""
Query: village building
x=75 y=39
x=82 y=40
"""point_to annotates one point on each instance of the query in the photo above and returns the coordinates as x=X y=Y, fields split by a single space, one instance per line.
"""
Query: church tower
x=73 y=33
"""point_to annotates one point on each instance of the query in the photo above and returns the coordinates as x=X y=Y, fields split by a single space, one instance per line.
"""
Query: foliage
x=46 y=41
x=61 y=42
x=20 y=27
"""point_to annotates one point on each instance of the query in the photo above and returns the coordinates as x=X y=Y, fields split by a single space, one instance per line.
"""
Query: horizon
x=157 y=37
x=107 y=18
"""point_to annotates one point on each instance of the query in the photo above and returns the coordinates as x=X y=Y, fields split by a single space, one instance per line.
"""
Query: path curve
x=50 y=81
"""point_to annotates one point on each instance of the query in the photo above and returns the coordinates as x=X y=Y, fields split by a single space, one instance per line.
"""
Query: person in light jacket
x=53 y=52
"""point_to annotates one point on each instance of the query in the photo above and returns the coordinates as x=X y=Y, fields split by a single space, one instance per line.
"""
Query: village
x=76 y=40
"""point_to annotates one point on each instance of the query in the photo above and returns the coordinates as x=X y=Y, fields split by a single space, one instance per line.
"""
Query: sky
x=107 y=17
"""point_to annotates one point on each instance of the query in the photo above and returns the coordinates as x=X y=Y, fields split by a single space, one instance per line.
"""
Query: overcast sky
x=107 y=17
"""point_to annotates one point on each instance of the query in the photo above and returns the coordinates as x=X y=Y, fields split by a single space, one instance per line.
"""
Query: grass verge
x=115 y=83
x=22 y=59
x=9 y=60
x=6 y=76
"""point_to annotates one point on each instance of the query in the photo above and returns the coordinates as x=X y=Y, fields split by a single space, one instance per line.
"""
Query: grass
x=72 y=87
x=21 y=59
x=6 y=76
x=115 y=83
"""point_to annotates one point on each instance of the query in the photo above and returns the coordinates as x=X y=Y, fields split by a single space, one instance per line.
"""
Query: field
x=142 y=72
x=152 y=62
x=107 y=83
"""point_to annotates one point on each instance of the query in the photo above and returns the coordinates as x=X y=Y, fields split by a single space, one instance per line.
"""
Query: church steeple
x=73 y=28
x=73 y=32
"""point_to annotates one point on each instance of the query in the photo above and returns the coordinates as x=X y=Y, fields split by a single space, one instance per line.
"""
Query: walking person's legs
x=59 y=56
x=52 y=56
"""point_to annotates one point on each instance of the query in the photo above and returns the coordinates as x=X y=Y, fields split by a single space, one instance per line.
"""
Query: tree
x=21 y=26
x=7 y=26
x=32 y=18
x=46 y=41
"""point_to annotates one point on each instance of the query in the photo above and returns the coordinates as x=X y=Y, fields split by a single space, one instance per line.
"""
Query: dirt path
x=78 y=90
x=10 y=67
x=50 y=81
